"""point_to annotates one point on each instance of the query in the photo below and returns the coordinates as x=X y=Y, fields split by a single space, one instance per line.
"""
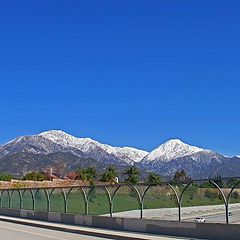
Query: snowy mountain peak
x=56 y=133
x=87 y=145
x=171 y=149
x=32 y=153
x=174 y=141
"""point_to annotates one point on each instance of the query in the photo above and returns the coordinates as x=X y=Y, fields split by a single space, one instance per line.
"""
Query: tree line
x=129 y=175
x=90 y=174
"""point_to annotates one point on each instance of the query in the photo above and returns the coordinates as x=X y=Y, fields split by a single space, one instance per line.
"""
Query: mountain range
x=60 y=150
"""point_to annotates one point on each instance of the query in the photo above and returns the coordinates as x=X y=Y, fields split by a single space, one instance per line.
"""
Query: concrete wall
x=214 y=231
x=16 y=184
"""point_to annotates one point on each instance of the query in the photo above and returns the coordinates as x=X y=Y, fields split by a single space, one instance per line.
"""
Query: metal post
x=10 y=199
x=227 y=213
x=139 y=200
x=86 y=208
x=224 y=199
x=111 y=209
x=112 y=199
x=141 y=214
x=179 y=211
x=65 y=200
x=229 y=196
x=85 y=200
x=33 y=199
x=0 y=199
x=48 y=205
x=177 y=200
x=21 y=199
x=180 y=201
x=48 y=199
x=142 y=199
x=66 y=207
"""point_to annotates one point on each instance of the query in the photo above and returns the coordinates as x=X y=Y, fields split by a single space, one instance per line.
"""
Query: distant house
x=50 y=175
x=54 y=176
x=70 y=176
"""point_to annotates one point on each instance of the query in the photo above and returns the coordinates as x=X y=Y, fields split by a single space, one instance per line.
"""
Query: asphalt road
x=220 y=217
x=15 y=231
x=12 y=231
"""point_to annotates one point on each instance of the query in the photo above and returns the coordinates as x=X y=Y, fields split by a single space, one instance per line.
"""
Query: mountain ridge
x=127 y=154
x=166 y=159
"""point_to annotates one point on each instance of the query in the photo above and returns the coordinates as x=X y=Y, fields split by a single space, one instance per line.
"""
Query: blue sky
x=122 y=72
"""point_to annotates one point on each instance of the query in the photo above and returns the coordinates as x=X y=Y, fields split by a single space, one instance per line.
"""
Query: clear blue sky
x=122 y=72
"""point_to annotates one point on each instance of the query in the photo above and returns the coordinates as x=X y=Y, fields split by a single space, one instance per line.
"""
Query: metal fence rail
x=104 y=196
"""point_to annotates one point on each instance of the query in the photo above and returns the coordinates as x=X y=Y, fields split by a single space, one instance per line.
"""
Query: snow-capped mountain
x=175 y=155
x=198 y=165
x=91 y=148
x=172 y=149
x=47 y=149
x=36 y=145
x=37 y=152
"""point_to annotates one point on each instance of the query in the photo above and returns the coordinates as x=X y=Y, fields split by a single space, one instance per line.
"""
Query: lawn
x=124 y=200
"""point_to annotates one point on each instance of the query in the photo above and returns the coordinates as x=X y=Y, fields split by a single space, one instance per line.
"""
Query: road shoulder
x=96 y=232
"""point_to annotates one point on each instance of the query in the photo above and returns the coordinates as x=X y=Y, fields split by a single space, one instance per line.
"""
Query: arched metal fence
x=115 y=198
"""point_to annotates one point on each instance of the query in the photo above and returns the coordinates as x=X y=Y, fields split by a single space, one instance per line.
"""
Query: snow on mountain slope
x=201 y=164
x=175 y=155
x=30 y=153
x=172 y=149
x=90 y=146
x=35 y=145
x=206 y=156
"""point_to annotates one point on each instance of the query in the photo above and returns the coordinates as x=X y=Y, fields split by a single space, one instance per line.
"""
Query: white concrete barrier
x=213 y=231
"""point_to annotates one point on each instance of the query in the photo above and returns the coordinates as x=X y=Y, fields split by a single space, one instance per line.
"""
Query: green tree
x=87 y=174
x=181 y=175
x=81 y=174
x=132 y=174
x=212 y=195
x=109 y=175
x=235 y=195
x=206 y=185
x=154 y=178
x=5 y=177
x=191 y=192
x=231 y=182
x=218 y=179
x=34 y=176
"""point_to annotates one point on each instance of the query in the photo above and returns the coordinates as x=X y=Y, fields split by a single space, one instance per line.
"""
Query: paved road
x=14 y=231
x=172 y=213
x=220 y=217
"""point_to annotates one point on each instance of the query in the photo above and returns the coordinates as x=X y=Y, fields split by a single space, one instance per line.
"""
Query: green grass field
x=125 y=199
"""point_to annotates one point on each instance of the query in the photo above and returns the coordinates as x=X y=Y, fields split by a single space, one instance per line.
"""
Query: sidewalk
x=97 y=232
